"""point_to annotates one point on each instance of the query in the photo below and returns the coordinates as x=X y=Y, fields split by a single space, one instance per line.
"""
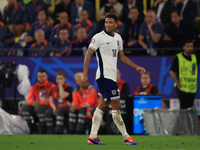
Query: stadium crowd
x=29 y=29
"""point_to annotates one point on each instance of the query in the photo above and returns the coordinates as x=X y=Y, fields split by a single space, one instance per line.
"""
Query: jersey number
x=114 y=52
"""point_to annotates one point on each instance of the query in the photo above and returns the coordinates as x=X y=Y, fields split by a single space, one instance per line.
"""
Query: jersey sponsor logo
x=113 y=92
x=117 y=42
x=108 y=43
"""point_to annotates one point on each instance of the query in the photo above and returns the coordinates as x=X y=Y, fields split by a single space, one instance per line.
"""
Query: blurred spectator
x=64 y=6
x=1 y=17
x=42 y=23
x=128 y=5
x=60 y=99
x=10 y=48
x=61 y=47
x=84 y=99
x=41 y=47
x=120 y=25
x=63 y=18
x=184 y=72
x=179 y=31
x=38 y=102
x=131 y=29
x=85 y=23
x=31 y=12
x=122 y=85
x=111 y=4
x=188 y=9
x=162 y=9
x=147 y=88
x=151 y=33
x=79 y=46
x=3 y=31
x=79 y=5
x=14 y=12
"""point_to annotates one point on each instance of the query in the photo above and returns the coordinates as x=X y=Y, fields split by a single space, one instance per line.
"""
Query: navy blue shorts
x=108 y=89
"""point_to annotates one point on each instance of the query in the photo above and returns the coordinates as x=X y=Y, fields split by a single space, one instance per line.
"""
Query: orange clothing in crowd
x=40 y=92
x=57 y=100
x=85 y=98
x=150 y=90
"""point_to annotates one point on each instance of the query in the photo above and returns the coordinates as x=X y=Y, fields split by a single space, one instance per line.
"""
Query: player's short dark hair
x=60 y=74
x=63 y=28
x=42 y=71
x=113 y=16
x=177 y=12
x=40 y=11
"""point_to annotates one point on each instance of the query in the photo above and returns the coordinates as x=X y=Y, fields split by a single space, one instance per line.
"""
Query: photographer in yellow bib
x=184 y=72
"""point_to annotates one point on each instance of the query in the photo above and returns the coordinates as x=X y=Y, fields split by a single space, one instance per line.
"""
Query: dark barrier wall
x=158 y=67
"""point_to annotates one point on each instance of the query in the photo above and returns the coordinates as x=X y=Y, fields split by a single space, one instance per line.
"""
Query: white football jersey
x=106 y=48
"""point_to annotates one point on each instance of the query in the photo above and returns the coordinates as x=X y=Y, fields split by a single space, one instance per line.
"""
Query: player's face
x=175 y=18
x=134 y=14
x=188 y=48
x=145 y=79
x=110 y=25
x=41 y=16
x=78 y=82
x=60 y=79
x=41 y=77
x=150 y=17
x=63 y=35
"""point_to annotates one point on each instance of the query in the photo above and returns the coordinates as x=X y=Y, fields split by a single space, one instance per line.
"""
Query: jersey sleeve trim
x=92 y=48
x=120 y=50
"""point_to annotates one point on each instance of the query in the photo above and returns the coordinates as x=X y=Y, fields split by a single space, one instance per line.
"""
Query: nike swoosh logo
x=108 y=43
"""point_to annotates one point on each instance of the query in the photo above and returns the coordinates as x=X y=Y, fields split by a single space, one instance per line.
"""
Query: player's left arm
x=129 y=63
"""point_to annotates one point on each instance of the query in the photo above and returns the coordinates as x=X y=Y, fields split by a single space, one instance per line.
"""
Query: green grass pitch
x=114 y=142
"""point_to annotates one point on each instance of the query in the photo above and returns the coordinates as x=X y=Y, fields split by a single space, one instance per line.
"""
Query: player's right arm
x=88 y=56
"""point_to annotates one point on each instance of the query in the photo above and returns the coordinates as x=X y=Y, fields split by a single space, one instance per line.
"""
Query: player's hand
x=84 y=81
x=178 y=86
x=140 y=70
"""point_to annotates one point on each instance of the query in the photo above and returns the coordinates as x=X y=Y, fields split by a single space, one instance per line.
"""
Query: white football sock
x=117 y=118
x=96 y=122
